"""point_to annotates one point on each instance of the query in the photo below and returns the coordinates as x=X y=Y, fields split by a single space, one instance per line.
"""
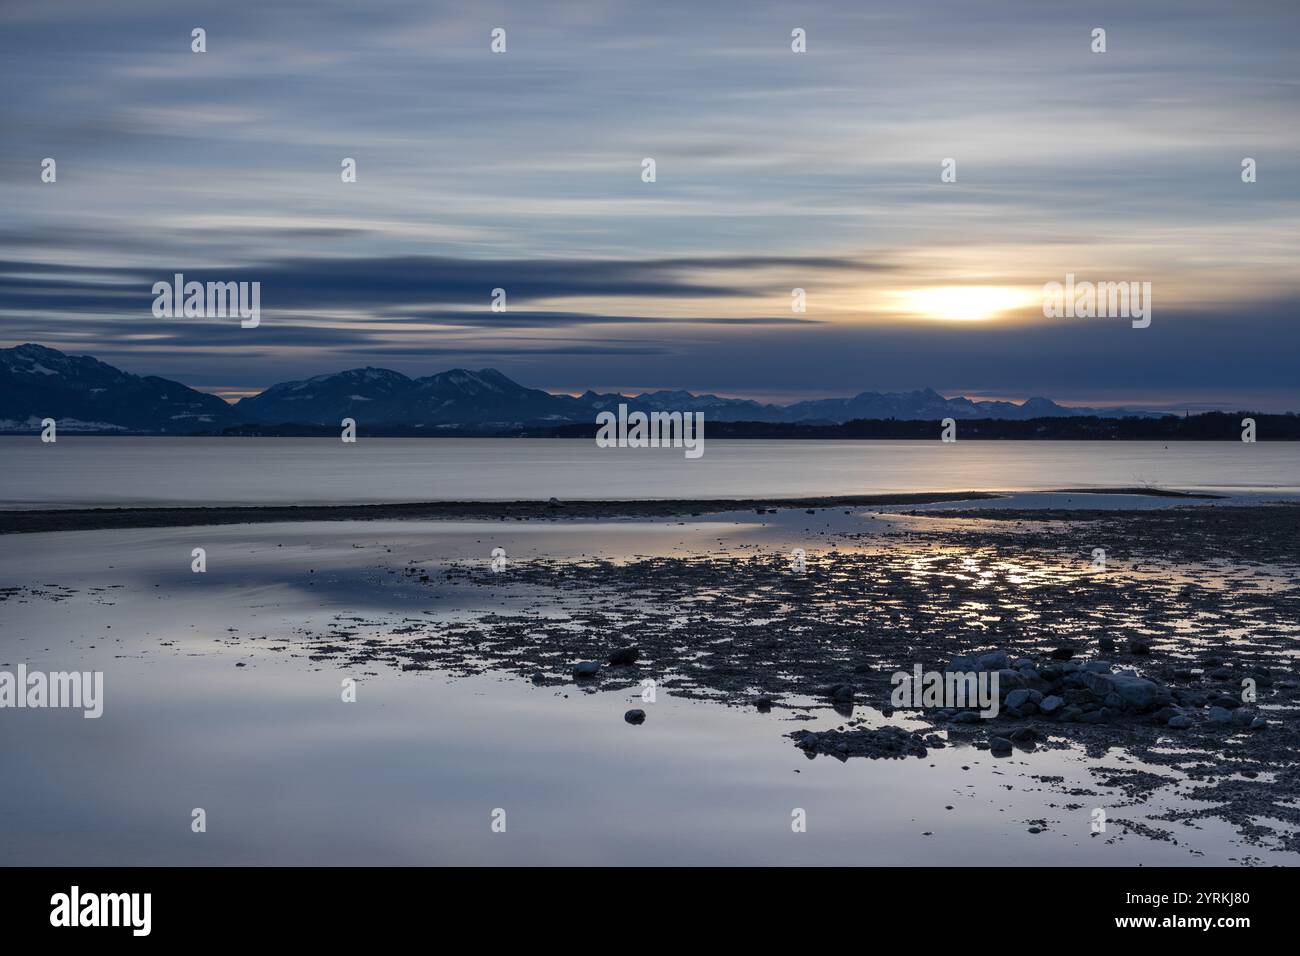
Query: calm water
x=87 y=471
x=412 y=771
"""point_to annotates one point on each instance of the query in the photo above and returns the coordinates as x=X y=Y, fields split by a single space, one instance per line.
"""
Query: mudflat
x=29 y=521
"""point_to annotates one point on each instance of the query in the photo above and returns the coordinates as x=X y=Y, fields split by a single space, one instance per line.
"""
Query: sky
x=774 y=170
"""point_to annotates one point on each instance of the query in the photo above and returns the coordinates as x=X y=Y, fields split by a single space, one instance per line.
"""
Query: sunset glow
x=973 y=303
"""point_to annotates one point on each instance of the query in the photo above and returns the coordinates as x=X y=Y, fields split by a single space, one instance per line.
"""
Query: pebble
x=586 y=669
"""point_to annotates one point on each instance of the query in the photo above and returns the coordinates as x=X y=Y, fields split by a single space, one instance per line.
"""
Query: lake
x=215 y=697
x=211 y=701
x=114 y=471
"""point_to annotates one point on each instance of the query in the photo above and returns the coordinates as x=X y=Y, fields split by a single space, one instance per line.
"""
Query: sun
x=965 y=303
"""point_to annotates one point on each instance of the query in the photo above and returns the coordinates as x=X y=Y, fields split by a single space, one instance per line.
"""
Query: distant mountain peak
x=31 y=348
x=84 y=393
x=1039 y=402
x=39 y=381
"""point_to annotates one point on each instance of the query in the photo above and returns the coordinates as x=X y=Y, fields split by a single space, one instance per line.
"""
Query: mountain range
x=84 y=394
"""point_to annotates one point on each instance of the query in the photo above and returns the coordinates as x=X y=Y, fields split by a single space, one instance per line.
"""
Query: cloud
x=775 y=170
x=378 y=283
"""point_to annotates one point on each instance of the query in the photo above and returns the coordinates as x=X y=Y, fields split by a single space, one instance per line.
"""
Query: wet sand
x=32 y=521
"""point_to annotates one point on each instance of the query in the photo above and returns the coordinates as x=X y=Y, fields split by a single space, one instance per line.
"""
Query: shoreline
x=1164 y=681
x=1186 y=725
x=36 y=521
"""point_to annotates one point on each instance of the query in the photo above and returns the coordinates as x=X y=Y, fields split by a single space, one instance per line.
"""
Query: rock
x=1097 y=667
x=538 y=677
x=1125 y=692
x=635 y=716
x=1219 y=716
x=995 y=661
x=1141 y=694
x=966 y=717
x=1242 y=718
x=1000 y=747
x=1051 y=704
x=1024 y=700
x=1009 y=680
x=1106 y=645
x=1098 y=685
x=841 y=693
x=624 y=656
x=1259 y=723
x=586 y=669
x=1062 y=653
x=1016 y=698
x=1181 y=722
x=1025 y=736
x=887 y=741
x=1029 y=674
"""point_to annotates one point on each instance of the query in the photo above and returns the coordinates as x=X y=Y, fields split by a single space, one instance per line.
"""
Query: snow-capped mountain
x=81 y=392
x=85 y=394
x=456 y=397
